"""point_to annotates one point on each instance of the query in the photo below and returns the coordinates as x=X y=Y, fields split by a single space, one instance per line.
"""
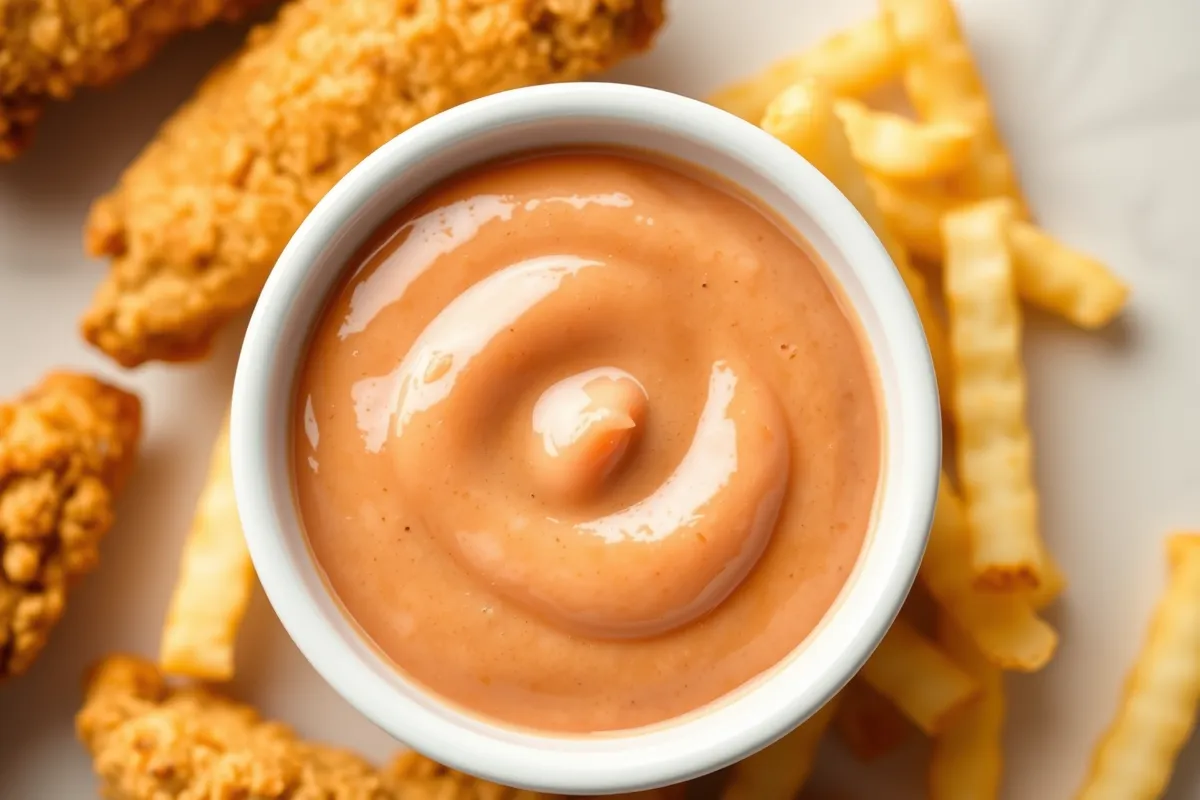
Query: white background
x=1100 y=103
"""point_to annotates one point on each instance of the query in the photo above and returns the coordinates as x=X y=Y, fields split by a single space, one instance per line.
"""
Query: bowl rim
x=751 y=717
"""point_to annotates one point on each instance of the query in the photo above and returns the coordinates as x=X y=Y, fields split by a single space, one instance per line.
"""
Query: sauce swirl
x=584 y=442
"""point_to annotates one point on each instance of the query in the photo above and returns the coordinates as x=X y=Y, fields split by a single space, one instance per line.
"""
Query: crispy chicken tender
x=49 y=48
x=420 y=778
x=66 y=448
x=197 y=221
x=151 y=742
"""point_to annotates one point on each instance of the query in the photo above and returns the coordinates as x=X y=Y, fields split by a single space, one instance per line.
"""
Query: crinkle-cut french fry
x=898 y=147
x=943 y=84
x=1181 y=547
x=867 y=723
x=802 y=117
x=913 y=212
x=1134 y=759
x=966 y=760
x=995 y=448
x=1049 y=274
x=1052 y=584
x=1054 y=277
x=1003 y=625
x=919 y=678
x=853 y=61
x=780 y=771
x=215 y=581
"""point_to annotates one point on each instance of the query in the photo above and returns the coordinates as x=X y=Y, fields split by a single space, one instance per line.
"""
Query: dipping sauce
x=585 y=441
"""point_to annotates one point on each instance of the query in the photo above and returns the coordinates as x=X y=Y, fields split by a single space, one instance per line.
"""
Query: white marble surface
x=1100 y=101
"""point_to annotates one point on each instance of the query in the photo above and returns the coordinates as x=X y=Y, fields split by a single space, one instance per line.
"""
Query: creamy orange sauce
x=584 y=442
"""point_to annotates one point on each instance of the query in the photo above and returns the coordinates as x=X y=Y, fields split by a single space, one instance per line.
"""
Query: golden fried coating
x=425 y=779
x=419 y=778
x=198 y=220
x=66 y=448
x=151 y=742
x=49 y=48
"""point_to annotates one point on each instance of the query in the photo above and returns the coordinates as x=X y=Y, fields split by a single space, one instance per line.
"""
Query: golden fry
x=1048 y=274
x=1054 y=277
x=779 y=772
x=1158 y=712
x=1051 y=585
x=215 y=581
x=867 y=723
x=853 y=62
x=966 y=760
x=802 y=117
x=1180 y=547
x=897 y=147
x=919 y=679
x=995 y=449
x=913 y=213
x=1002 y=625
x=944 y=86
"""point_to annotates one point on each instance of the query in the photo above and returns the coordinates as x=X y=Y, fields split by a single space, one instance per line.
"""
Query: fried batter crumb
x=66 y=448
x=198 y=220
x=151 y=742
x=49 y=48
x=419 y=778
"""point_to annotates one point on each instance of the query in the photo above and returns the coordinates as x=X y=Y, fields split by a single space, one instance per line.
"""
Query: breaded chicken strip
x=49 y=48
x=66 y=448
x=200 y=217
x=438 y=782
x=150 y=742
x=420 y=778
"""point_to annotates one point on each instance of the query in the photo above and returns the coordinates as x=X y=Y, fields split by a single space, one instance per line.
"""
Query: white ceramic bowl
x=550 y=116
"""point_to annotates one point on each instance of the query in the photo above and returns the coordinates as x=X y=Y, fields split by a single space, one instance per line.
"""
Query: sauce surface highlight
x=584 y=442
